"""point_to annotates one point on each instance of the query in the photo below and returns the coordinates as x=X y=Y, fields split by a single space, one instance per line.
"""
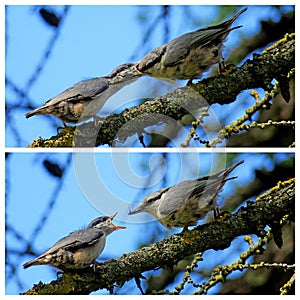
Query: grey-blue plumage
x=84 y=99
x=189 y=55
x=184 y=203
x=80 y=248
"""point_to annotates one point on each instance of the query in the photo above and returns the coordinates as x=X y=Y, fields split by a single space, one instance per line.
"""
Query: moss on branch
x=274 y=63
x=251 y=219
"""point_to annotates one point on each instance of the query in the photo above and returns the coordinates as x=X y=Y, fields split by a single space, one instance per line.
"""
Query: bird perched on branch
x=79 y=249
x=189 y=55
x=185 y=203
x=84 y=99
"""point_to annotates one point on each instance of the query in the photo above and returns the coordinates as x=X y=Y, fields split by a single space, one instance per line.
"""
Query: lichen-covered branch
x=274 y=63
x=268 y=209
x=258 y=72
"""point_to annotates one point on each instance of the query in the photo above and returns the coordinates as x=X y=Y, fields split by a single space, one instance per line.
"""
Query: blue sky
x=100 y=184
x=93 y=40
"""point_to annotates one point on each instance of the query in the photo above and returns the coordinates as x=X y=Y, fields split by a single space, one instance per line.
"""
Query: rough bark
x=258 y=72
x=268 y=209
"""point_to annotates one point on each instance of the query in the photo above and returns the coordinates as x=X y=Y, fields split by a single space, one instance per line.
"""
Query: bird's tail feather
x=231 y=168
x=34 y=262
x=29 y=114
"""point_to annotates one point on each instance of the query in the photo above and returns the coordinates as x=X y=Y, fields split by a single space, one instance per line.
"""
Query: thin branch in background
x=49 y=16
x=162 y=17
x=7 y=193
x=22 y=93
x=16 y=89
x=13 y=269
x=52 y=201
x=46 y=55
x=276 y=204
x=9 y=267
x=166 y=22
x=28 y=244
x=15 y=234
x=157 y=169
x=11 y=108
x=9 y=119
x=259 y=104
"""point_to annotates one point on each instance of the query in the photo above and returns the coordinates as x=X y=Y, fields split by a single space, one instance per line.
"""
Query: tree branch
x=274 y=62
x=268 y=209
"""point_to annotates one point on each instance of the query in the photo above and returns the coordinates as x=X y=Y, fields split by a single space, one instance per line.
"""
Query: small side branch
x=270 y=207
x=275 y=62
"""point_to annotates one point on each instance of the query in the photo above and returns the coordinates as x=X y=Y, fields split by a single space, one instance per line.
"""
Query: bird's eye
x=153 y=199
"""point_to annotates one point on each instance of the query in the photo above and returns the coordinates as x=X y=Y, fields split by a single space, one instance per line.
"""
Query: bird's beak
x=138 y=72
x=118 y=227
x=137 y=210
x=115 y=226
x=112 y=217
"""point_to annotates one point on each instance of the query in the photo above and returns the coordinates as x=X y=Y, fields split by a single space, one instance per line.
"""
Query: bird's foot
x=98 y=120
x=226 y=67
x=222 y=66
x=62 y=127
x=95 y=264
x=216 y=213
x=185 y=228
x=190 y=82
x=220 y=215
x=138 y=282
x=58 y=273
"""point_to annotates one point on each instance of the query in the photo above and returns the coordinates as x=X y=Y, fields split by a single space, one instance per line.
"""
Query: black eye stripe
x=150 y=200
x=153 y=199
x=97 y=221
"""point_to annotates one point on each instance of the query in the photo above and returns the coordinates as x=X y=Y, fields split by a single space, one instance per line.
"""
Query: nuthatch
x=84 y=99
x=189 y=55
x=185 y=203
x=80 y=248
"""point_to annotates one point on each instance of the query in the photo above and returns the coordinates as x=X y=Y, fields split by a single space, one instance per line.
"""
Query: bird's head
x=123 y=73
x=151 y=203
x=105 y=224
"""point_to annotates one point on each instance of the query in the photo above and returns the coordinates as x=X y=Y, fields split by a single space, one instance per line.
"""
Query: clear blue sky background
x=93 y=41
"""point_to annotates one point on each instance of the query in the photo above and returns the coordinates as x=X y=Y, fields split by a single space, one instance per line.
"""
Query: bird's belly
x=84 y=257
x=70 y=112
x=189 y=213
x=92 y=107
x=80 y=259
x=84 y=110
x=80 y=110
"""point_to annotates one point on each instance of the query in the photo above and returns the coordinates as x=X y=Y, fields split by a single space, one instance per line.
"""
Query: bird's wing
x=77 y=239
x=84 y=90
x=180 y=47
x=207 y=185
x=155 y=195
x=178 y=195
x=175 y=196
